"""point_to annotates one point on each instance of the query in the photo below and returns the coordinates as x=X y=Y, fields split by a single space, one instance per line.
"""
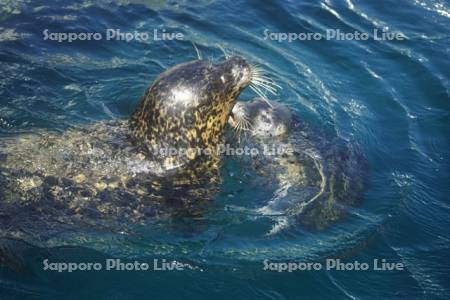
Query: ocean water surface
x=389 y=98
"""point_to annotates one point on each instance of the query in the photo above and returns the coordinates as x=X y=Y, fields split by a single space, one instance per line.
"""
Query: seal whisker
x=241 y=123
x=237 y=132
x=245 y=123
x=227 y=56
x=257 y=90
x=199 y=54
x=240 y=128
x=267 y=80
x=259 y=93
x=273 y=92
x=272 y=89
x=269 y=89
x=260 y=82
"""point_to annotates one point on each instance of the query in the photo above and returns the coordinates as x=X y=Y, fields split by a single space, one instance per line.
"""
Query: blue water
x=391 y=98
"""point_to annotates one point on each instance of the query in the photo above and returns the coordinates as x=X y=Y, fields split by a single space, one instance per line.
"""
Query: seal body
x=185 y=110
x=113 y=173
x=316 y=174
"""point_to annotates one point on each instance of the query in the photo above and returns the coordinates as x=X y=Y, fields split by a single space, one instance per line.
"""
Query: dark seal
x=110 y=174
x=185 y=111
x=318 y=179
x=261 y=117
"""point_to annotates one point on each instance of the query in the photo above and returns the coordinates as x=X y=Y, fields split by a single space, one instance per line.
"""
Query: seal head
x=261 y=118
x=185 y=110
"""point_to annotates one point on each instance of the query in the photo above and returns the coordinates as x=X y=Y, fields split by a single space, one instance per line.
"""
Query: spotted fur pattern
x=187 y=108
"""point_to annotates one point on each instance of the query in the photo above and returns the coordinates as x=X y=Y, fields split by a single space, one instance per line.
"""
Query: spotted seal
x=261 y=118
x=187 y=107
x=113 y=170
x=316 y=179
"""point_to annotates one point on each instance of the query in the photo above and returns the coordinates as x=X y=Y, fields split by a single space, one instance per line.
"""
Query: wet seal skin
x=316 y=181
x=261 y=118
x=187 y=107
x=110 y=174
